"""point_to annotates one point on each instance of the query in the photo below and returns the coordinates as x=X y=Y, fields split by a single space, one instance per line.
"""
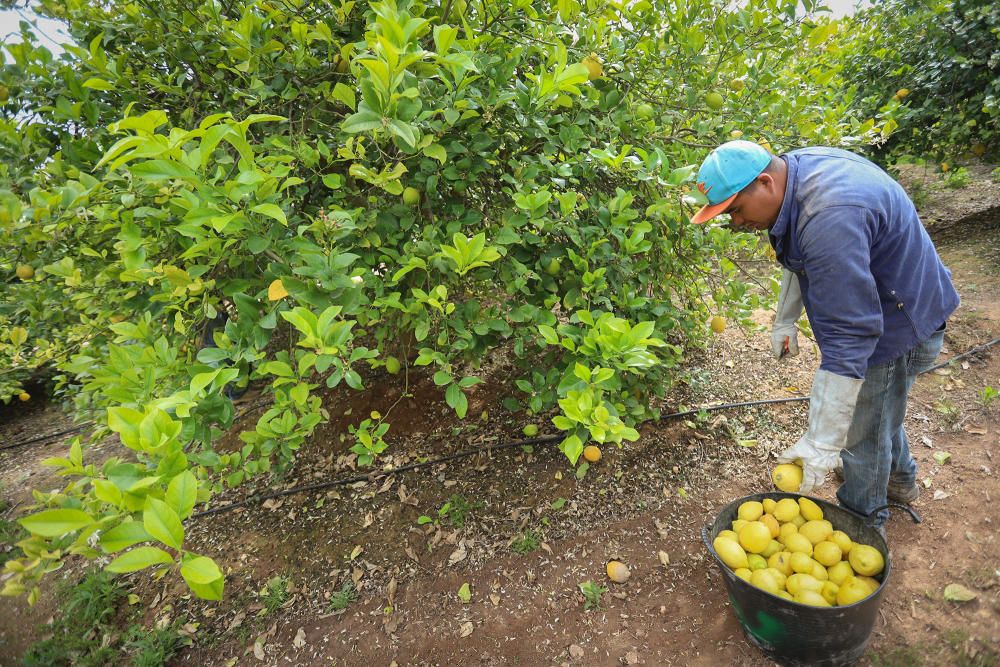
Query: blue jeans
x=877 y=449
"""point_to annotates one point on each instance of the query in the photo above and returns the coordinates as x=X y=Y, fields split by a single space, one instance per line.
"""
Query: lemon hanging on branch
x=594 y=67
x=718 y=324
x=411 y=196
x=714 y=101
x=24 y=271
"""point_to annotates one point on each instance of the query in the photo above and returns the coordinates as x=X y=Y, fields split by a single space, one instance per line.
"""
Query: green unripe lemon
x=645 y=111
x=392 y=365
x=411 y=196
x=530 y=430
x=714 y=100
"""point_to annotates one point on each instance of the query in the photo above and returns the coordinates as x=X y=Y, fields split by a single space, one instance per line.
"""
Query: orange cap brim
x=709 y=212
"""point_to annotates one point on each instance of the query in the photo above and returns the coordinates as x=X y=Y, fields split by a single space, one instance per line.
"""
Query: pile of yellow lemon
x=788 y=549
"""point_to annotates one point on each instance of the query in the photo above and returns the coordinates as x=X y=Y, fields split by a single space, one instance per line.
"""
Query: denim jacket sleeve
x=843 y=303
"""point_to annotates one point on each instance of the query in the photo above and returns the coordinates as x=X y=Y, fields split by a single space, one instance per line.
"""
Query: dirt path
x=523 y=532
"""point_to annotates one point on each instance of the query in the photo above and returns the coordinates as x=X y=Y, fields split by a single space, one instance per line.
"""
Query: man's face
x=755 y=207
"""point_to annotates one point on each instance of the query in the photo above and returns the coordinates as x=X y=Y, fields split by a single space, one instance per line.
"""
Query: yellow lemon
x=754 y=537
x=786 y=530
x=751 y=510
x=729 y=535
x=816 y=531
x=765 y=581
x=731 y=553
x=866 y=560
x=738 y=524
x=851 y=591
x=810 y=510
x=944 y=166
x=812 y=598
x=798 y=543
x=618 y=572
x=819 y=572
x=736 y=134
x=779 y=577
x=24 y=397
x=786 y=509
x=902 y=92
x=24 y=271
x=803 y=582
x=841 y=539
x=873 y=583
x=786 y=595
x=769 y=504
x=827 y=553
x=782 y=562
x=771 y=523
x=594 y=67
x=774 y=547
x=766 y=144
x=787 y=477
x=798 y=521
x=592 y=453
x=756 y=562
x=801 y=563
x=718 y=324
x=829 y=592
x=743 y=573
x=840 y=571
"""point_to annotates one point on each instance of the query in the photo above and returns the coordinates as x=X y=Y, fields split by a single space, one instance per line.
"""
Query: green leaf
x=182 y=493
x=123 y=536
x=346 y=95
x=438 y=152
x=363 y=121
x=200 y=570
x=96 y=83
x=56 y=522
x=139 y=559
x=465 y=593
x=958 y=593
x=271 y=211
x=162 y=522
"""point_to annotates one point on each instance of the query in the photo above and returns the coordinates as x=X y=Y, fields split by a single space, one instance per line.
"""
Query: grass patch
x=526 y=542
x=342 y=599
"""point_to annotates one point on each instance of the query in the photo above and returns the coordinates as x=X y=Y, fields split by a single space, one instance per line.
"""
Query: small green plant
x=151 y=647
x=454 y=512
x=592 y=594
x=526 y=542
x=958 y=178
x=995 y=175
x=903 y=656
x=988 y=395
x=948 y=411
x=274 y=594
x=342 y=599
x=369 y=443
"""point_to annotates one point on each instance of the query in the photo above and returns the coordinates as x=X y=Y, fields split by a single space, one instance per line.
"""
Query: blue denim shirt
x=872 y=283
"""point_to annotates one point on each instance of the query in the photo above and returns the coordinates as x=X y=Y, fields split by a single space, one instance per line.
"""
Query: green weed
x=274 y=594
x=343 y=598
x=151 y=648
x=592 y=594
x=526 y=542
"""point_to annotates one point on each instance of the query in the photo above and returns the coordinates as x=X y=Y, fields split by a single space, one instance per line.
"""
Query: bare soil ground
x=527 y=532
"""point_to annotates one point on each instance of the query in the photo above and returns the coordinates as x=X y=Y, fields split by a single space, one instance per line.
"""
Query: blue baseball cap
x=727 y=170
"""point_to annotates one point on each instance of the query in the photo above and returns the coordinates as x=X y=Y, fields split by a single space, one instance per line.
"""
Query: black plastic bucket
x=796 y=634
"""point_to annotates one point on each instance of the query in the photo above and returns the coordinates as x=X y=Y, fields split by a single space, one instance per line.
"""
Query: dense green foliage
x=944 y=55
x=363 y=187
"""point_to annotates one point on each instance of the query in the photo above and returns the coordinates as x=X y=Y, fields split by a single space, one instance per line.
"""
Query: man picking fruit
x=877 y=295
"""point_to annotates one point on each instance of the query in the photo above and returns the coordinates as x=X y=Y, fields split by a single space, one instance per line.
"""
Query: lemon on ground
x=754 y=536
x=812 y=598
x=769 y=505
x=743 y=573
x=803 y=582
x=852 y=590
x=24 y=271
x=751 y=510
x=618 y=572
x=787 y=477
x=866 y=560
x=786 y=530
x=840 y=571
x=809 y=510
x=718 y=324
x=731 y=553
x=592 y=453
x=756 y=562
x=763 y=580
x=841 y=539
x=530 y=430
x=798 y=543
x=24 y=397
x=392 y=365
x=782 y=562
x=729 y=535
x=827 y=553
x=816 y=531
x=786 y=510
x=771 y=523
x=714 y=100
x=411 y=196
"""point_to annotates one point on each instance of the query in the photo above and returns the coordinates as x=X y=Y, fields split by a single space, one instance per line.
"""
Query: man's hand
x=816 y=462
x=784 y=334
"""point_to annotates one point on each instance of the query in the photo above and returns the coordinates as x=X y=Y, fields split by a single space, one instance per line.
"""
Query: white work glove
x=831 y=409
x=784 y=334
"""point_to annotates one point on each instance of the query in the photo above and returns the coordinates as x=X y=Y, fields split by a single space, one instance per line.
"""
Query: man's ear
x=765 y=179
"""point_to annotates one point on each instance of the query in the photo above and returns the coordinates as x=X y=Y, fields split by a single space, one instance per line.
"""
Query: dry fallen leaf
x=575 y=651
x=258 y=650
x=958 y=593
x=941 y=495
x=632 y=658
x=466 y=629
x=300 y=638
x=664 y=558
x=458 y=555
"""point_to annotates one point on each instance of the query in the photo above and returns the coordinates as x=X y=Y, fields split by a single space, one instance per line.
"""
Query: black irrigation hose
x=544 y=440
